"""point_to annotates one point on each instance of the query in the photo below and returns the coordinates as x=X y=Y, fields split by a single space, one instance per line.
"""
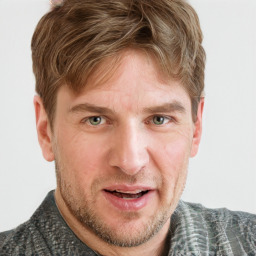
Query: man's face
x=122 y=151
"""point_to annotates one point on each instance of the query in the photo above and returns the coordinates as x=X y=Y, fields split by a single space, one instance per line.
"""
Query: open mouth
x=127 y=195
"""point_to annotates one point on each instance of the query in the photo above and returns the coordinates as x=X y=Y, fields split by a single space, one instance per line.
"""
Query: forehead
x=129 y=60
x=130 y=80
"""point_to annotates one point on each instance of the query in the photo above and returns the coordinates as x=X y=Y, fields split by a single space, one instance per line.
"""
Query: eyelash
x=150 y=120
x=168 y=119
x=87 y=120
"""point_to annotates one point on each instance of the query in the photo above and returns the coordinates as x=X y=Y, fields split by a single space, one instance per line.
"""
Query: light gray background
x=223 y=173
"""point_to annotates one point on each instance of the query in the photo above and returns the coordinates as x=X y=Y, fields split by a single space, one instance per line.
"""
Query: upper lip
x=123 y=188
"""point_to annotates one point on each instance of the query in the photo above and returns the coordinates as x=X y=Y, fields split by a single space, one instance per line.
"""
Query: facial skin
x=131 y=133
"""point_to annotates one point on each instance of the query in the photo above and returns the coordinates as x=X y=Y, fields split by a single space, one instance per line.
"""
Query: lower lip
x=128 y=204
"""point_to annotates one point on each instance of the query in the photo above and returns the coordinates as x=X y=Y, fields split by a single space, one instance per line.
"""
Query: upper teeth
x=129 y=192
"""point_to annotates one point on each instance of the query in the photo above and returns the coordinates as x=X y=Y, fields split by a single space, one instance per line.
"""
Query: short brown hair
x=75 y=37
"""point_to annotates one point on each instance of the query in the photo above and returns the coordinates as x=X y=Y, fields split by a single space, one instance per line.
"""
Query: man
x=119 y=109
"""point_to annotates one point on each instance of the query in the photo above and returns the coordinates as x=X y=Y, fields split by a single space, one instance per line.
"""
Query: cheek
x=81 y=155
x=174 y=154
x=172 y=161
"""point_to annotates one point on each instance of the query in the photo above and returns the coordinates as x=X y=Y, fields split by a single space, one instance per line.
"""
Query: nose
x=129 y=149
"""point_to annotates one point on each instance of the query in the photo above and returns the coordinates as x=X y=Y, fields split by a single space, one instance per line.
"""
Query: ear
x=44 y=132
x=197 y=129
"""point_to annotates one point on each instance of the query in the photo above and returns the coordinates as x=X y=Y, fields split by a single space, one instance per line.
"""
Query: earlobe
x=44 y=132
x=197 y=129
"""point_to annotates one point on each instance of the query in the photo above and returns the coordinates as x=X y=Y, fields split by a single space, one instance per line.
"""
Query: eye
x=160 y=120
x=96 y=120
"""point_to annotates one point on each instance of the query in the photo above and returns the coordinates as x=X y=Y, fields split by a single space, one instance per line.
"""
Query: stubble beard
x=82 y=210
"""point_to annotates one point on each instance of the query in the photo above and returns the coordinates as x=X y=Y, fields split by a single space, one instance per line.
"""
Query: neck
x=156 y=246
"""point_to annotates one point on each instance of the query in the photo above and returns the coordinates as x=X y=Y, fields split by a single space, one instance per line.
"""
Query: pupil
x=158 y=120
x=95 y=120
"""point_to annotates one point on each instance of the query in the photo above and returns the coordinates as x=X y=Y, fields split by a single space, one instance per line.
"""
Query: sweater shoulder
x=17 y=241
x=221 y=215
x=223 y=229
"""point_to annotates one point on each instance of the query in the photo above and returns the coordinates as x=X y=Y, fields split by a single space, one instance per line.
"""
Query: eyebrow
x=164 y=108
x=87 y=107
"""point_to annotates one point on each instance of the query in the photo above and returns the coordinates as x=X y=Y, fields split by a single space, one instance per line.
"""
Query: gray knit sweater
x=194 y=231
